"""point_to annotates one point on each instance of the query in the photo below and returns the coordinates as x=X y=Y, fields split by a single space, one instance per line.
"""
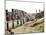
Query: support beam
x=13 y=18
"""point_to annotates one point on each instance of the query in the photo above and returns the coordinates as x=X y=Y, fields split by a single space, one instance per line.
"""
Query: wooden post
x=20 y=22
x=23 y=17
x=13 y=18
x=7 y=19
x=23 y=20
x=7 y=26
x=36 y=15
x=17 y=17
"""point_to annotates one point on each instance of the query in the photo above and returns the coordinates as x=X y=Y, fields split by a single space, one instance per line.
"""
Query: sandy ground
x=31 y=26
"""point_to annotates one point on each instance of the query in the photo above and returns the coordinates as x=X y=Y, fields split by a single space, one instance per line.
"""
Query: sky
x=29 y=7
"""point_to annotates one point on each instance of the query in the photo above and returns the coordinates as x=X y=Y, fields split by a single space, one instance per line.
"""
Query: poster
x=24 y=17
